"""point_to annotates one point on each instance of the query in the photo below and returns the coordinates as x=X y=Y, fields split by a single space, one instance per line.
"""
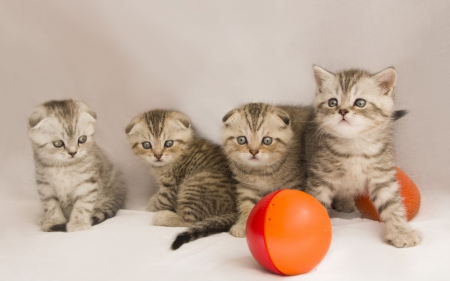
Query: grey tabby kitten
x=195 y=187
x=264 y=148
x=77 y=184
x=349 y=147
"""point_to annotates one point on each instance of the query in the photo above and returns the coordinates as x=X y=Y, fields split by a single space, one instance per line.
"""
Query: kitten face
x=353 y=102
x=256 y=134
x=159 y=137
x=62 y=131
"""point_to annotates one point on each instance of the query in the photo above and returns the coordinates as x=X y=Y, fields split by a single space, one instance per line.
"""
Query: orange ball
x=408 y=192
x=288 y=232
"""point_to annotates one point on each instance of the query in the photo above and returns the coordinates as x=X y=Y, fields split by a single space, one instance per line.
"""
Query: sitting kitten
x=349 y=147
x=263 y=145
x=195 y=187
x=77 y=184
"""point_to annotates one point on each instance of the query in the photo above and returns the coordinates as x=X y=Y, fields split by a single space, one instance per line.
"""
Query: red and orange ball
x=288 y=232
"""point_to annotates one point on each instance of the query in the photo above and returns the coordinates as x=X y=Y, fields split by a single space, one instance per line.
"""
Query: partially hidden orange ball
x=408 y=191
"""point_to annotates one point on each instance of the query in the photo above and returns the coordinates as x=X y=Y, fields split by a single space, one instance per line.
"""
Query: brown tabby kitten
x=195 y=186
x=263 y=146
x=349 y=147
x=77 y=184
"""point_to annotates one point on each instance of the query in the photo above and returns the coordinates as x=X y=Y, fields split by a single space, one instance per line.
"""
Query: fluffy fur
x=195 y=187
x=77 y=184
x=349 y=147
x=263 y=145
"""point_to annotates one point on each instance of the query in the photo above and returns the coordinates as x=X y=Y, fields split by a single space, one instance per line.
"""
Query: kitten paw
x=404 y=239
x=78 y=226
x=238 y=230
x=169 y=218
x=344 y=205
x=54 y=224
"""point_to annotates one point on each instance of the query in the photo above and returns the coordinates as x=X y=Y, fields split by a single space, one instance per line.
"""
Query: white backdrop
x=207 y=57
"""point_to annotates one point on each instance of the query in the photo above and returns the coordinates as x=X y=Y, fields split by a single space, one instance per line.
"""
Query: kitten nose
x=72 y=153
x=158 y=156
x=254 y=152
x=343 y=112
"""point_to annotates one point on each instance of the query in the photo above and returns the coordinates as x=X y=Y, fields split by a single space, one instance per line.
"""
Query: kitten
x=77 y=184
x=349 y=147
x=264 y=147
x=195 y=186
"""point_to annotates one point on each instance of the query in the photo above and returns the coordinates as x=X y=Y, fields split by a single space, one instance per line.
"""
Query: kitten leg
x=247 y=199
x=344 y=204
x=169 y=218
x=165 y=198
x=85 y=198
x=385 y=196
x=53 y=219
x=321 y=190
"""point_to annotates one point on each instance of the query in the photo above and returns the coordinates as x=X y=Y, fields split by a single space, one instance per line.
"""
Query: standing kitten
x=263 y=146
x=195 y=184
x=77 y=184
x=349 y=147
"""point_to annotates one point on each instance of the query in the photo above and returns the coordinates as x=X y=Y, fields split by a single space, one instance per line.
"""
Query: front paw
x=404 y=239
x=78 y=226
x=53 y=224
x=238 y=230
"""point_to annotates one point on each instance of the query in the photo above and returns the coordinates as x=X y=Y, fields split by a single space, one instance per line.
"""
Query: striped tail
x=205 y=228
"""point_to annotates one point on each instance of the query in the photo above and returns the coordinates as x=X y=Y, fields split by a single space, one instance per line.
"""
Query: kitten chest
x=65 y=181
x=353 y=179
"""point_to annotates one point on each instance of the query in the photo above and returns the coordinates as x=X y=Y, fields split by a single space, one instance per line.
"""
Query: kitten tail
x=205 y=228
x=399 y=114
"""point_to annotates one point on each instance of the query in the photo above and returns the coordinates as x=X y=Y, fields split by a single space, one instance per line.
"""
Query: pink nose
x=343 y=112
x=158 y=156
x=254 y=152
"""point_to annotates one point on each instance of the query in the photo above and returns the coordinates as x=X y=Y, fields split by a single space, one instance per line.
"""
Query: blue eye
x=360 y=103
x=168 y=143
x=82 y=139
x=332 y=102
x=241 y=140
x=267 y=140
x=146 y=145
x=58 y=143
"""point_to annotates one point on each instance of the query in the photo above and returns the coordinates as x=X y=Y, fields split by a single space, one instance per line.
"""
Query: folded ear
x=132 y=124
x=181 y=119
x=37 y=115
x=283 y=115
x=386 y=80
x=85 y=108
x=321 y=76
x=226 y=119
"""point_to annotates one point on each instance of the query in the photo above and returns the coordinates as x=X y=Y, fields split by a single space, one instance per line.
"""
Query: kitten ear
x=283 y=115
x=386 y=80
x=182 y=119
x=321 y=76
x=85 y=108
x=227 y=116
x=132 y=123
x=37 y=115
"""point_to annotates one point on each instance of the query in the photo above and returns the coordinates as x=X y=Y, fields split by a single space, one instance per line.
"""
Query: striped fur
x=262 y=168
x=195 y=186
x=77 y=184
x=350 y=148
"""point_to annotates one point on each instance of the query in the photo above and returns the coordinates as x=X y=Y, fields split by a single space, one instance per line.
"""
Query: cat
x=349 y=146
x=263 y=144
x=195 y=186
x=77 y=184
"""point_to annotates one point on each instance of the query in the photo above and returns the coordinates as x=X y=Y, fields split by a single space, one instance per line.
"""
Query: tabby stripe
x=90 y=180
x=92 y=191
x=386 y=205
x=378 y=110
x=243 y=199
x=42 y=182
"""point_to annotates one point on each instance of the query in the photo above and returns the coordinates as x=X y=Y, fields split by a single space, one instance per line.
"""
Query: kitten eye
x=58 y=143
x=332 y=102
x=168 y=143
x=82 y=139
x=146 y=145
x=360 y=103
x=241 y=140
x=267 y=140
